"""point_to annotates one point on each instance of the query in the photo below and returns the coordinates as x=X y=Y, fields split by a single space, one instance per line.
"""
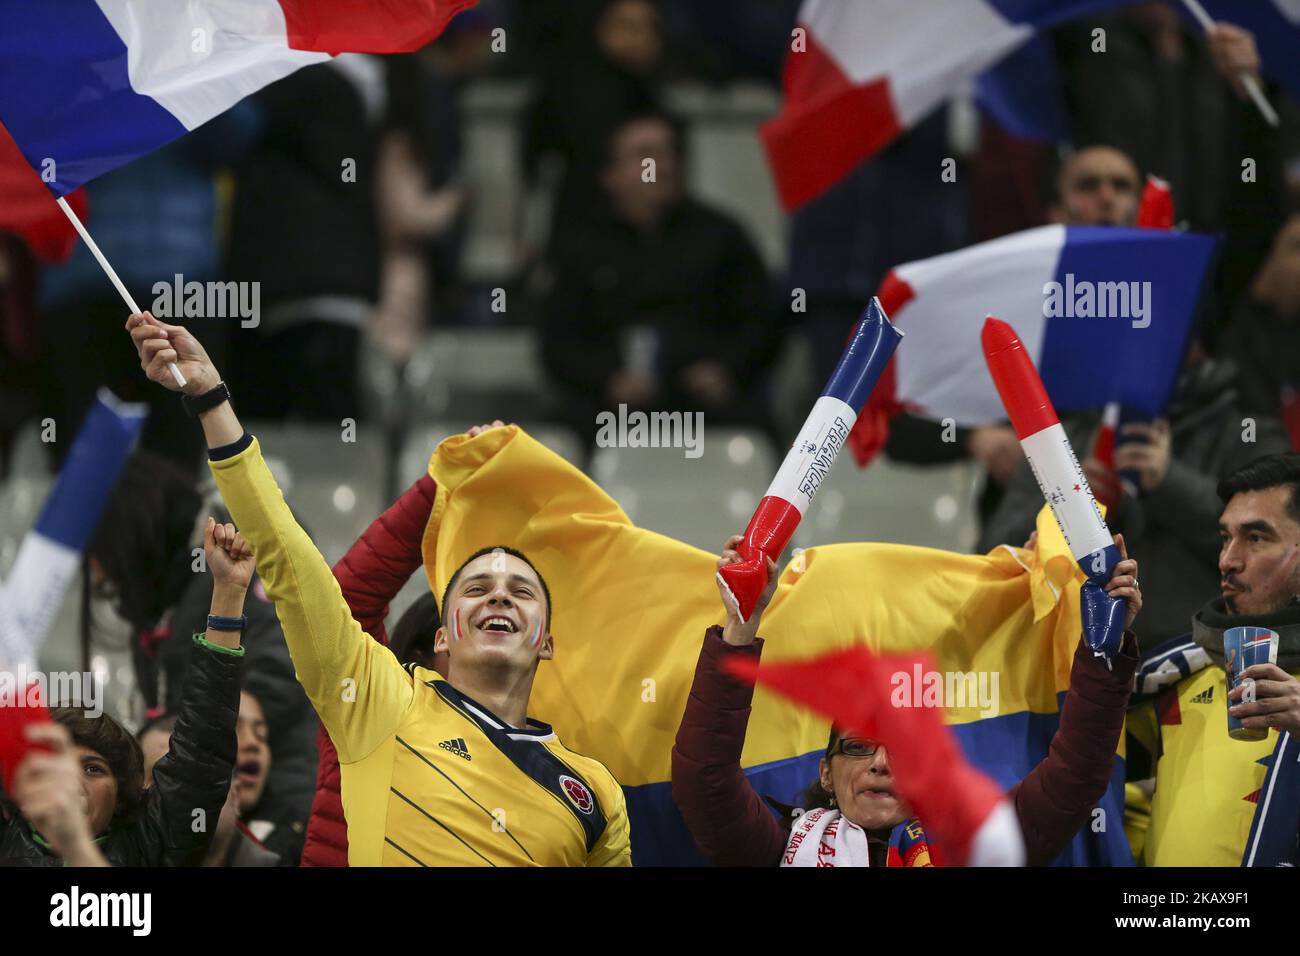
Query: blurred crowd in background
x=498 y=254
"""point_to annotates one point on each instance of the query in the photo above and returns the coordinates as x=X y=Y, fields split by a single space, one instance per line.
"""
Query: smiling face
x=495 y=617
x=98 y=788
x=1259 y=560
x=864 y=789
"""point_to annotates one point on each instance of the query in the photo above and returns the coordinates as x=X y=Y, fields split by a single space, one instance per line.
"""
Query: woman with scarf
x=855 y=814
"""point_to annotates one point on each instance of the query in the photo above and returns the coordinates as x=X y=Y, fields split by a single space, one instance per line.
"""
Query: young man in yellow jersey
x=1219 y=801
x=435 y=772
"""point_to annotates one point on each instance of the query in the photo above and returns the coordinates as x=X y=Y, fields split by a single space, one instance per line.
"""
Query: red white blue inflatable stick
x=1061 y=479
x=809 y=460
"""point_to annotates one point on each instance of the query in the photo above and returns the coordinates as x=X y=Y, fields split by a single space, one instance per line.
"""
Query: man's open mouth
x=499 y=625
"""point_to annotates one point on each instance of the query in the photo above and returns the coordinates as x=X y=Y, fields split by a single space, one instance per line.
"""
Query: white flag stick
x=112 y=275
x=1247 y=80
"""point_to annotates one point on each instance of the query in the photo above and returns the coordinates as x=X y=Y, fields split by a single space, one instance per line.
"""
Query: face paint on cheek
x=455 y=625
x=537 y=635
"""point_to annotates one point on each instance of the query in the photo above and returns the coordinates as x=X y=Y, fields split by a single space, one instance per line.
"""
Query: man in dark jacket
x=1172 y=522
x=658 y=301
x=171 y=823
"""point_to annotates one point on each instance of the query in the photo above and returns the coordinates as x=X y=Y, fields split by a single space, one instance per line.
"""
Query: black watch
x=196 y=405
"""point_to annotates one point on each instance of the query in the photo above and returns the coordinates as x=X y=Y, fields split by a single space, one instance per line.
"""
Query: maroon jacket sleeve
x=375 y=568
x=1055 y=801
x=730 y=822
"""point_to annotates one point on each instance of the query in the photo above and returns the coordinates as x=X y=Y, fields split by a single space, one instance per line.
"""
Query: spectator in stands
x=658 y=301
x=1097 y=186
x=235 y=842
x=1173 y=518
x=609 y=79
x=153 y=520
x=50 y=794
x=733 y=827
x=171 y=823
x=370 y=576
x=1206 y=785
x=1265 y=335
x=305 y=226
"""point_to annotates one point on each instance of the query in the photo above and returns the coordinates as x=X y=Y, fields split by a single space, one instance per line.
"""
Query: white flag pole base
x=112 y=275
x=1247 y=80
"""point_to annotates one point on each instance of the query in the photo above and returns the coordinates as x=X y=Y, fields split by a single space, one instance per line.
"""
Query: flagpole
x=112 y=275
x=1247 y=80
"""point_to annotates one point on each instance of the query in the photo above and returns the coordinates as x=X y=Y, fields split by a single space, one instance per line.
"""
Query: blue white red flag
x=88 y=85
x=1104 y=313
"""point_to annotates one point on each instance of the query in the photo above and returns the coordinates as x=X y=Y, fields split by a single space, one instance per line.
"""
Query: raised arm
x=729 y=821
x=1055 y=801
x=357 y=687
x=192 y=780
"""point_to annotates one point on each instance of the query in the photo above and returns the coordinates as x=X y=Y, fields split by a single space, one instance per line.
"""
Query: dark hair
x=1270 y=471
x=642 y=115
x=412 y=637
x=451 y=583
x=114 y=743
x=166 y=723
x=144 y=537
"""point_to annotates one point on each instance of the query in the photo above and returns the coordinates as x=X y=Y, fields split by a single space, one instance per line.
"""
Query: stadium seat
x=336 y=488
x=697 y=500
x=476 y=375
x=905 y=504
x=422 y=440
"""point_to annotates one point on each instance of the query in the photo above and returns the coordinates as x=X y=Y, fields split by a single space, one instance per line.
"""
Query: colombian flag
x=631 y=608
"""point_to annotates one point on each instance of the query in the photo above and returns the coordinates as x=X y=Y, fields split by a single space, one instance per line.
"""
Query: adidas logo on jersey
x=1204 y=697
x=456 y=746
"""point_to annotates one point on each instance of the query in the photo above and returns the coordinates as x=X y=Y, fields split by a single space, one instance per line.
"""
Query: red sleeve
x=730 y=822
x=375 y=568
x=385 y=556
x=1055 y=801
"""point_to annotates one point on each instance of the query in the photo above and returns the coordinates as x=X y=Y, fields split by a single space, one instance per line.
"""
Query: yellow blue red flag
x=631 y=608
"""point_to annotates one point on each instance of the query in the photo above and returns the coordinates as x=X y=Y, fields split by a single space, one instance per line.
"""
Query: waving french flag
x=50 y=553
x=88 y=85
x=863 y=71
x=1105 y=314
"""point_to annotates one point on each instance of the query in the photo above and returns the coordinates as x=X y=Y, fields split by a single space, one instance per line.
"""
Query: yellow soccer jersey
x=1207 y=784
x=455 y=786
x=429 y=777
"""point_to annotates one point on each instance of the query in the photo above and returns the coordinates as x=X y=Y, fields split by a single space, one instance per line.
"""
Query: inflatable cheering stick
x=1156 y=210
x=964 y=809
x=809 y=460
x=1061 y=479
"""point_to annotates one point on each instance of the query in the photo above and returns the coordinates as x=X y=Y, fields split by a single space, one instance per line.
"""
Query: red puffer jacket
x=370 y=574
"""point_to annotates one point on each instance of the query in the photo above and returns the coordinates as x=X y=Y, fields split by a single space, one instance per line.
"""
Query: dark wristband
x=217 y=623
x=196 y=405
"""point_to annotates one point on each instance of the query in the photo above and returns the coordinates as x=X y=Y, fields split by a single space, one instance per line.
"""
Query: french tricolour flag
x=87 y=85
x=1105 y=314
x=863 y=71
x=50 y=554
